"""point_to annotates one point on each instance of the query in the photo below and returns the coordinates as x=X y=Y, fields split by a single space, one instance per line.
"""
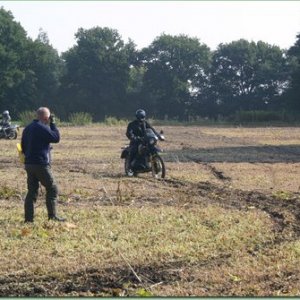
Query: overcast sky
x=213 y=22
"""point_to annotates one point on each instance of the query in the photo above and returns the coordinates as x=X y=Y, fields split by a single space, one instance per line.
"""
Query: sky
x=212 y=22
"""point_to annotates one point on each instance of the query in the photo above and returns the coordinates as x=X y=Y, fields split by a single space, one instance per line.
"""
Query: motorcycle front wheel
x=12 y=135
x=127 y=168
x=158 y=168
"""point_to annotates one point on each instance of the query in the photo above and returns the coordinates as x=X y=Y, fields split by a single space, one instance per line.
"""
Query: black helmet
x=140 y=114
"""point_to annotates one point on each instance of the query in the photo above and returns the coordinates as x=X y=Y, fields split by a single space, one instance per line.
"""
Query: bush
x=26 y=117
x=263 y=116
x=80 y=118
x=113 y=121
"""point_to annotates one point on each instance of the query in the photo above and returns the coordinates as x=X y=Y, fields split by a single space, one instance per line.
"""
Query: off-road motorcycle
x=9 y=132
x=147 y=158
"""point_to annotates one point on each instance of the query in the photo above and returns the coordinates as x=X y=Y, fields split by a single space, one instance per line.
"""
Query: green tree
x=13 y=73
x=29 y=70
x=134 y=89
x=97 y=73
x=47 y=67
x=176 y=70
x=248 y=76
x=292 y=95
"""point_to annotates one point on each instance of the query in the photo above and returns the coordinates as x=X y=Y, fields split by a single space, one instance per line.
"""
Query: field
x=224 y=222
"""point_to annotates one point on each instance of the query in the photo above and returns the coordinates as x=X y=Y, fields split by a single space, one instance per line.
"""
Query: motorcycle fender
x=158 y=149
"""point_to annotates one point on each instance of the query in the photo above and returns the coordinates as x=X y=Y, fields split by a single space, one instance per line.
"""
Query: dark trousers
x=42 y=174
x=133 y=151
x=135 y=158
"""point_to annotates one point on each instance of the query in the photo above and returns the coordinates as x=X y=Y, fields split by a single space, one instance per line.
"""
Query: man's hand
x=136 y=139
x=52 y=118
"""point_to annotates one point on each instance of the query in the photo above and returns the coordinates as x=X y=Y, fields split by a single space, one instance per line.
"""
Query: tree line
x=175 y=77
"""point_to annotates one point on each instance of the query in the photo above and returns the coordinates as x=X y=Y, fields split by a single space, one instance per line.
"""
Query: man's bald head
x=43 y=114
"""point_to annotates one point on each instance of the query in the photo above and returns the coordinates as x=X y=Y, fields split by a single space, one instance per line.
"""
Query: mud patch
x=218 y=174
x=284 y=213
x=120 y=281
x=238 y=154
x=115 y=281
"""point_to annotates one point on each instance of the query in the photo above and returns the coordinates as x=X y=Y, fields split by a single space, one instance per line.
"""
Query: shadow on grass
x=120 y=281
x=113 y=281
x=251 y=154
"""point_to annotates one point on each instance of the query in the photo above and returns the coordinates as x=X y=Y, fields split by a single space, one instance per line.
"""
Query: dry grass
x=225 y=222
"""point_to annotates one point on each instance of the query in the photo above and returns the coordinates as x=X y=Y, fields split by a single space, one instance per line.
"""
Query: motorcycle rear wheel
x=158 y=168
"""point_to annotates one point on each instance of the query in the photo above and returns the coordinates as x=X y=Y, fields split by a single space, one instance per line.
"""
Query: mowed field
x=224 y=222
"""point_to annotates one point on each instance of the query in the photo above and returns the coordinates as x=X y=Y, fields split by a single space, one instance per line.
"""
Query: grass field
x=224 y=222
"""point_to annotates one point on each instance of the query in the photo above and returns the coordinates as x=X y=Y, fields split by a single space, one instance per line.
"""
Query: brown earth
x=234 y=168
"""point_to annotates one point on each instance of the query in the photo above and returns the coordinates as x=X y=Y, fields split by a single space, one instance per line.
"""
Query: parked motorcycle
x=10 y=132
x=147 y=158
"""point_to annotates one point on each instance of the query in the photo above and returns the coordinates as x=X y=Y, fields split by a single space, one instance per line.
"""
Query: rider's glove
x=136 y=139
x=161 y=137
x=52 y=118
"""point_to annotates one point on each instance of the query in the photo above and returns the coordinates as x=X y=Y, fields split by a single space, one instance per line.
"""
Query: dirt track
x=221 y=168
x=114 y=281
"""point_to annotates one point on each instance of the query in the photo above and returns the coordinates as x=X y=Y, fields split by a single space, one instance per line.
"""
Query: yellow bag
x=20 y=152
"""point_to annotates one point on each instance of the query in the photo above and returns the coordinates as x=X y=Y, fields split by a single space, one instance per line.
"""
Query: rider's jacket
x=36 y=139
x=5 y=122
x=137 y=128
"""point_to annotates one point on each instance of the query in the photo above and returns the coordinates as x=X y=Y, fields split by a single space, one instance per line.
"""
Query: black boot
x=56 y=218
x=52 y=215
x=28 y=221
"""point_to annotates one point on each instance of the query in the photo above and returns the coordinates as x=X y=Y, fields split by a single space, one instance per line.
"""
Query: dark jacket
x=137 y=128
x=5 y=122
x=36 y=139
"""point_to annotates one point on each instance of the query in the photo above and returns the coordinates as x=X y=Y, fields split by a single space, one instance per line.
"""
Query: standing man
x=36 y=139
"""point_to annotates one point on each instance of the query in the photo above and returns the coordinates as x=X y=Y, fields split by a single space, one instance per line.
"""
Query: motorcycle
x=147 y=158
x=9 y=132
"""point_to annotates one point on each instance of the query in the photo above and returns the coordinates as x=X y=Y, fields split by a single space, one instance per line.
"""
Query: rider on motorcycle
x=5 y=122
x=136 y=131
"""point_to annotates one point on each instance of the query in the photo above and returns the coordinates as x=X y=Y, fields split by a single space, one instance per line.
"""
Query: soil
x=122 y=281
x=212 y=152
